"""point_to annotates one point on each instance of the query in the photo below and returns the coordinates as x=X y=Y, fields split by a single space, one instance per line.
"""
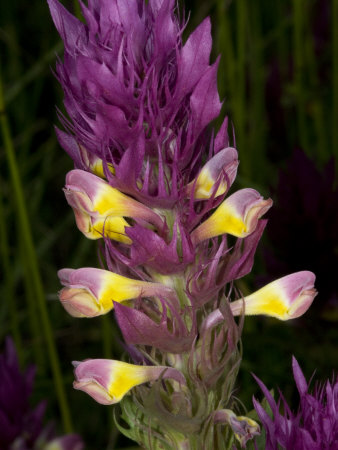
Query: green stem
x=240 y=87
x=77 y=9
x=335 y=79
x=34 y=322
x=9 y=282
x=31 y=74
x=298 y=41
x=320 y=150
x=227 y=75
x=32 y=258
x=257 y=119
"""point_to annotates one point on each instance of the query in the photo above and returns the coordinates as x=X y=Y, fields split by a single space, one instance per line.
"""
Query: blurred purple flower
x=313 y=427
x=21 y=427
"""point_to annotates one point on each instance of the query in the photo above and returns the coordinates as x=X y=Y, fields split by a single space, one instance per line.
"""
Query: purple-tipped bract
x=314 y=426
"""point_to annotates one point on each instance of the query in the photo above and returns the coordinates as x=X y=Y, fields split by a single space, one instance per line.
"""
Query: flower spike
x=138 y=102
x=90 y=292
x=238 y=215
x=108 y=381
x=99 y=208
x=286 y=298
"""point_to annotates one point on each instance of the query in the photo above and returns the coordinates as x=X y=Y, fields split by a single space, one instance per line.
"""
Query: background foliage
x=279 y=79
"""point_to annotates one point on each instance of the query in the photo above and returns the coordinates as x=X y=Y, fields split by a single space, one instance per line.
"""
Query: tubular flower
x=90 y=292
x=238 y=215
x=139 y=102
x=99 y=208
x=286 y=298
x=108 y=381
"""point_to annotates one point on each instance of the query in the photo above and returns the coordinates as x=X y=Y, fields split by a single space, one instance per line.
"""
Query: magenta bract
x=314 y=426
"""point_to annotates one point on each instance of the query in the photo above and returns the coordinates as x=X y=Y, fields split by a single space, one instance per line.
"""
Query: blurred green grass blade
x=31 y=74
x=9 y=292
x=256 y=117
x=33 y=313
x=335 y=80
x=240 y=107
x=319 y=150
x=77 y=9
x=226 y=80
x=33 y=263
x=281 y=32
x=299 y=81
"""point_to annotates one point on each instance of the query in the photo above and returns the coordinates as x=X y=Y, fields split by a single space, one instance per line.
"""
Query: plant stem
x=240 y=115
x=256 y=120
x=227 y=75
x=33 y=316
x=9 y=283
x=335 y=80
x=298 y=41
x=33 y=263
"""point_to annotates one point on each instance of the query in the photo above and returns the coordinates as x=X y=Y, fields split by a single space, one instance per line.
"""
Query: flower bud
x=83 y=159
x=238 y=215
x=221 y=169
x=108 y=381
x=90 y=292
x=94 y=163
x=99 y=208
x=286 y=298
x=243 y=427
